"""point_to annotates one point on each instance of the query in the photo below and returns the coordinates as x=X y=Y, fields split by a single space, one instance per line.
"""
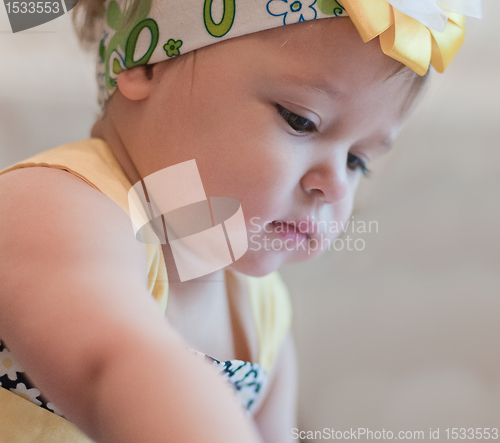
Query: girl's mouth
x=297 y=231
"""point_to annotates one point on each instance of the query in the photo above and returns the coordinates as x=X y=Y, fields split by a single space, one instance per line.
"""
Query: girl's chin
x=259 y=264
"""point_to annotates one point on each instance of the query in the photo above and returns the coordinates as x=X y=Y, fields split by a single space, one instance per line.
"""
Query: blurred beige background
x=403 y=335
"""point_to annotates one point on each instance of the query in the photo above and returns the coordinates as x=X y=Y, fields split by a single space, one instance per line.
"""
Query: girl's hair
x=417 y=87
x=85 y=15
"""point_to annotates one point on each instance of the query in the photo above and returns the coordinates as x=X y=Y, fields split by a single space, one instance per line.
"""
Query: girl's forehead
x=321 y=52
x=323 y=62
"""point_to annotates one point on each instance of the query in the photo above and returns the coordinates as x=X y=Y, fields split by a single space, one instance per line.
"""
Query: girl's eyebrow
x=381 y=146
x=311 y=85
x=388 y=143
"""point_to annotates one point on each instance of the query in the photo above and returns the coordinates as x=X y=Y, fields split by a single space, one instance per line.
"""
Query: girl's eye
x=354 y=163
x=297 y=123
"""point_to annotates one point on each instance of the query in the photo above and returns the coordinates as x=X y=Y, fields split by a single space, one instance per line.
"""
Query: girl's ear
x=135 y=83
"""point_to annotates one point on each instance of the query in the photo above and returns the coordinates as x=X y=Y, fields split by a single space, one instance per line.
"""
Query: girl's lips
x=293 y=230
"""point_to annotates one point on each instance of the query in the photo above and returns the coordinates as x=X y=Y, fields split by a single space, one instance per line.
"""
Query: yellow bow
x=404 y=38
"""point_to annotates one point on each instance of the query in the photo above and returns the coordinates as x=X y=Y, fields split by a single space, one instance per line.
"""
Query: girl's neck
x=105 y=129
x=200 y=286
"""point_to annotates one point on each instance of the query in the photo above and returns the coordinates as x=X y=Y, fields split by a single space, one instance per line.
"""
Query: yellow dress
x=92 y=161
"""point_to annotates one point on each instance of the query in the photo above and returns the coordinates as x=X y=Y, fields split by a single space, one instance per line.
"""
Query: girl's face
x=283 y=120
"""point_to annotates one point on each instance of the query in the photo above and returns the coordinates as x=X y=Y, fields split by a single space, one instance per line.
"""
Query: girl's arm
x=277 y=415
x=75 y=312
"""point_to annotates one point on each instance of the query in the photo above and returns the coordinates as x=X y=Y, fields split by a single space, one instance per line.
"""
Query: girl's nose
x=327 y=181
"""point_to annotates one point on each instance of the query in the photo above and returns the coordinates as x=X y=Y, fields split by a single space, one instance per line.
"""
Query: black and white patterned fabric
x=13 y=378
x=248 y=379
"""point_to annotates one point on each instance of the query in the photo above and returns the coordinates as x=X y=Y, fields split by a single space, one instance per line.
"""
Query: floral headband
x=414 y=32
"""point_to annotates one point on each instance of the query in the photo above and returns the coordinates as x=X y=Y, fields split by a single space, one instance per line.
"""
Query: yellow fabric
x=24 y=422
x=272 y=314
x=409 y=42
x=370 y=18
x=445 y=45
x=404 y=38
x=91 y=160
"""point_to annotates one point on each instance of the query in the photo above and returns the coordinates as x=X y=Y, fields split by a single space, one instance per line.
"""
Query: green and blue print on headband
x=415 y=32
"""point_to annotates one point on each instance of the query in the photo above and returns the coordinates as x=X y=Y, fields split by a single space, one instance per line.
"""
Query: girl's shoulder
x=50 y=190
x=26 y=186
x=75 y=191
x=47 y=213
